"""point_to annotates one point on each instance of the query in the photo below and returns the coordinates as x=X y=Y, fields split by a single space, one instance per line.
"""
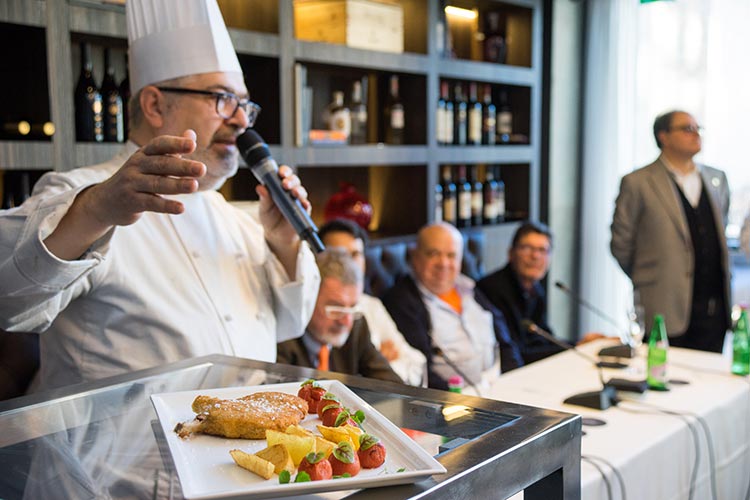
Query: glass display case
x=103 y=439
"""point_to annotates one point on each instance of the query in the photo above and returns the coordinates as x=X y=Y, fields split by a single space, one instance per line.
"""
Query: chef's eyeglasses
x=227 y=103
x=340 y=312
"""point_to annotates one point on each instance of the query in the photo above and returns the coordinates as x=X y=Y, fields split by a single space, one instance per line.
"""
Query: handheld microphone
x=439 y=352
x=258 y=158
x=598 y=400
x=618 y=351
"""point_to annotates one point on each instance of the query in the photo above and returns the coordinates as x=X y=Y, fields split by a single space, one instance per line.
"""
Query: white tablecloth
x=654 y=453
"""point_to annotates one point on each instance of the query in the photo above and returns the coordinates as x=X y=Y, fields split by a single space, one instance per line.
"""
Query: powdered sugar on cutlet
x=247 y=417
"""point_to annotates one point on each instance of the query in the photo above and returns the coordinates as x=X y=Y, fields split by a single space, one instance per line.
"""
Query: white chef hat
x=173 y=38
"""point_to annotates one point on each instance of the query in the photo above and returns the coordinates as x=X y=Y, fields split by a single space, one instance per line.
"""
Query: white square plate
x=206 y=469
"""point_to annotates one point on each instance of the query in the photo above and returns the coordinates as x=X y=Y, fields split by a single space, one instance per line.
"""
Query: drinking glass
x=635 y=333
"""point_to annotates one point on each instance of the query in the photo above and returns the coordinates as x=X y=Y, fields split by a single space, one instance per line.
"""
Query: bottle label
x=476 y=204
x=475 y=126
x=341 y=120
x=440 y=128
x=464 y=205
x=490 y=208
x=449 y=210
x=505 y=122
x=397 y=118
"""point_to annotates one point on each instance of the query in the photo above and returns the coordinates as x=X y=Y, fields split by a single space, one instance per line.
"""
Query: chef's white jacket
x=166 y=288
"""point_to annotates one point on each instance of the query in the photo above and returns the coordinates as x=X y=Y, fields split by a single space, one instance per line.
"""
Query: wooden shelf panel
x=25 y=155
x=341 y=55
x=254 y=43
x=96 y=18
x=27 y=12
x=92 y=153
x=487 y=72
x=485 y=154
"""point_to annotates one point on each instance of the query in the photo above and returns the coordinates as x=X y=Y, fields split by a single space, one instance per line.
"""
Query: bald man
x=441 y=313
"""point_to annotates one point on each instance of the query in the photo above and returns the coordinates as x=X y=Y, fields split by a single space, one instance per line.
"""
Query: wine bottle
x=475 y=117
x=88 y=102
x=489 y=191
x=504 y=119
x=463 y=195
x=495 y=47
x=499 y=196
x=440 y=127
x=438 y=193
x=741 y=346
x=489 y=118
x=449 y=196
x=394 y=115
x=114 y=130
x=658 y=344
x=358 y=116
x=125 y=95
x=477 y=198
x=339 y=117
x=448 y=114
x=459 y=115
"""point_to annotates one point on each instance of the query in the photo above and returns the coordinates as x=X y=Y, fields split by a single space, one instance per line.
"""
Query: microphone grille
x=252 y=147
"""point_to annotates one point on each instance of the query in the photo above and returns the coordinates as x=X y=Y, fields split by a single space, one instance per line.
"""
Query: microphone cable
x=587 y=305
x=696 y=439
x=593 y=459
x=598 y=467
x=439 y=352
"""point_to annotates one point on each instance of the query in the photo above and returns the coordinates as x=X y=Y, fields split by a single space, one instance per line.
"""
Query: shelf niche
x=23 y=83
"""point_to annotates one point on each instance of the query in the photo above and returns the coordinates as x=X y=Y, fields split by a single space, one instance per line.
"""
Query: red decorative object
x=349 y=204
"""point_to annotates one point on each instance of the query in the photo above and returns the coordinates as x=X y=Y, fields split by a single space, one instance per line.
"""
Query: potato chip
x=324 y=445
x=279 y=456
x=256 y=465
x=297 y=446
x=336 y=434
x=354 y=432
x=298 y=430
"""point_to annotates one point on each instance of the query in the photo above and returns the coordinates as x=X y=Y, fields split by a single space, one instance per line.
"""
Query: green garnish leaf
x=344 y=452
x=367 y=441
x=330 y=397
x=314 y=458
x=342 y=476
x=302 y=477
x=309 y=381
x=402 y=469
x=328 y=407
x=341 y=418
x=359 y=416
x=284 y=477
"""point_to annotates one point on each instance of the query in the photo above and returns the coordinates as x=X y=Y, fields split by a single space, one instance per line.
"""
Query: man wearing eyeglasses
x=516 y=289
x=139 y=262
x=337 y=337
x=668 y=237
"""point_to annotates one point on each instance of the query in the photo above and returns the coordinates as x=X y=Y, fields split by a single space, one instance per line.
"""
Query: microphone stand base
x=598 y=400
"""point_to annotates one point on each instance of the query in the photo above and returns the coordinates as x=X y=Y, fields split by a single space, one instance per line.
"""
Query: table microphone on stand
x=598 y=400
x=618 y=351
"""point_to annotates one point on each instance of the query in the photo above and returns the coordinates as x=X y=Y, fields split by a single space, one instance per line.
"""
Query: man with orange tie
x=337 y=337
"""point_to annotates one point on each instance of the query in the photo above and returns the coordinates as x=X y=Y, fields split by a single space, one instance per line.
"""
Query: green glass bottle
x=657 y=355
x=741 y=346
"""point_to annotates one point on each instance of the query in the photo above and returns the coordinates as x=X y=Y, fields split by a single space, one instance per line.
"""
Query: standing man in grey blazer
x=668 y=237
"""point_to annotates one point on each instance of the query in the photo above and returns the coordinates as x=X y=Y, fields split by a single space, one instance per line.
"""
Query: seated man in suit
x=516 y=291
x=406 y=361
x=337 y=337
x=441 y=313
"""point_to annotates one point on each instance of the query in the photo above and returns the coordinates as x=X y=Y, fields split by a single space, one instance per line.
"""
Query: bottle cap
x=456 y=381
